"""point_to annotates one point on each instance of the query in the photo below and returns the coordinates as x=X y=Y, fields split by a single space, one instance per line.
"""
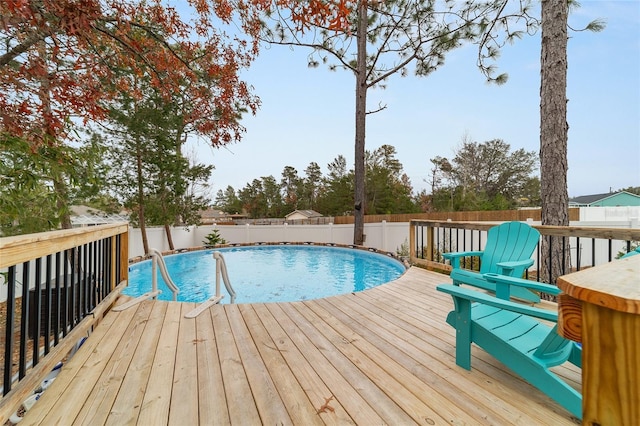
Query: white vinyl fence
x=383 y=236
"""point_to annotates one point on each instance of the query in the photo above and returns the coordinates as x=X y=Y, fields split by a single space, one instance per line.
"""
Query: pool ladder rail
x=221 y=270
x=159 y=263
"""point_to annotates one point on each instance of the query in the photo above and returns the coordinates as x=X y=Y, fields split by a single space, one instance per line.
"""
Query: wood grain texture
x=22 y=248
x=385 y=355
x=569 y=317
x=611 y=367
x=614 y=285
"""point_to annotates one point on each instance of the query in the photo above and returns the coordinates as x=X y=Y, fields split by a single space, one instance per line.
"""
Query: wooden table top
x=615 y=285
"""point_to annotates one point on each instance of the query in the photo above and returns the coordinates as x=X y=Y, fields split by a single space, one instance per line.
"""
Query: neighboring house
x=612 y=199
x=211 y=216
x=302 y=214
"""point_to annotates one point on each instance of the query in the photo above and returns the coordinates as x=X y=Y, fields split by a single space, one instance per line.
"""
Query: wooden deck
x=382 y=356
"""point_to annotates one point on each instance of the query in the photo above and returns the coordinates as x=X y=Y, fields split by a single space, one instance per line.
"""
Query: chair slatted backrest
x=509 y=241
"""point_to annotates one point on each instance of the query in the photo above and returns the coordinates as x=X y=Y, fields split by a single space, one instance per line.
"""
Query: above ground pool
x=270 y=273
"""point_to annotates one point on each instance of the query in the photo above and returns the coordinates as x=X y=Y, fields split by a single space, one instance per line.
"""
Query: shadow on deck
x=381 y=356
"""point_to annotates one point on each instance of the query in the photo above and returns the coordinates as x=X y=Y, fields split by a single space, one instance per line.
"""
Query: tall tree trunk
x=62 y=204
x=167 y=225
x=167 y=230
x=553 y=136
x=361 y=119
x=141 y=218
x=59 y=186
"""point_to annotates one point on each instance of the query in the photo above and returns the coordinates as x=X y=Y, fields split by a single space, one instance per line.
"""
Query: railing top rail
x=626 y=234
x=21 y=248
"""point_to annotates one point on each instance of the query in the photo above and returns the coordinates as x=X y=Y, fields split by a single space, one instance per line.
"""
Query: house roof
x=306 y=213
x=590 y=199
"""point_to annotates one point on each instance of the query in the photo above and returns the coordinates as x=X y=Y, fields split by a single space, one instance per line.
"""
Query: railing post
x=113 y=247
x=430 y=243
x=124 y=256
x=412 y=241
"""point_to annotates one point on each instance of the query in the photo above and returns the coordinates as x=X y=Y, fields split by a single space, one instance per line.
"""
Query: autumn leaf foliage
x=64 y=59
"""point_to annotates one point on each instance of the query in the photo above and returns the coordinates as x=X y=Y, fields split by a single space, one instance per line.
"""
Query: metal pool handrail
x=157 y=262
x=221 y=270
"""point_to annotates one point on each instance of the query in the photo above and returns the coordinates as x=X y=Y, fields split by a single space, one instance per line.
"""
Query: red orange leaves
x=69 y=58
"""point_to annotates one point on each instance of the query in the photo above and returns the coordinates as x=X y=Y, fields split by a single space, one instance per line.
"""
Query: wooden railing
x=587 y=246
x=56 y=286
x=465 y=216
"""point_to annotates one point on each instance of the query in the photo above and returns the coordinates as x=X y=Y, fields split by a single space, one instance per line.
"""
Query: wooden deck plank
x=302 y=370
x=97 y=406
x=388 y=374
x=385 y=355
x=126 y=406
x=292 y=396
x=80 y=377
x=339 y=387
x=385 y=407
x=419 y=358
x=268 y=401
x=242 y=408
x=184 y=397
x=417 y=365
x=157 y=399
x=420 y=311
x=211 y=397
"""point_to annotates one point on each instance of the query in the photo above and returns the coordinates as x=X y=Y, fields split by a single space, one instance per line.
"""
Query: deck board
x=211 y=397
x=382 y=356
x=157 y=398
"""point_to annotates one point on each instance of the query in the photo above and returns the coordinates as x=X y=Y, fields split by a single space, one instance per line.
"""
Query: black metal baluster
x=610 y=246
x=471 y=264
x=92 y=276
x=550 y=258
x=57 y=302
x=47 y=307
x=86 y=282
x=37 y=314
x=107 y=266
x=578 y=254
x=118 y=259
x=65 y=296
x=9 y=339
x=24 y=321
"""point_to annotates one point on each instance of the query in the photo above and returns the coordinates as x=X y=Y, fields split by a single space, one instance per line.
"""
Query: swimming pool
x=270 y=273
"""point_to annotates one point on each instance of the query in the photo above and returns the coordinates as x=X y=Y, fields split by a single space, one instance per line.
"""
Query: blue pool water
x=270 y=273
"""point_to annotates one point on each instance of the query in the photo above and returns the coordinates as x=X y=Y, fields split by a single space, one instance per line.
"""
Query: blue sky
x=307 y=114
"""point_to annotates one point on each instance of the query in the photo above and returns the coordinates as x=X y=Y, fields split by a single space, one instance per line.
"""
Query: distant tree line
x=480 y=176
x=389 y=190
x=485 y=176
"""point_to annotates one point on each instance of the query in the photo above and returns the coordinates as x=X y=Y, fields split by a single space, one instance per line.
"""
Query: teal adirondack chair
x=512 y=333
x=508 y=252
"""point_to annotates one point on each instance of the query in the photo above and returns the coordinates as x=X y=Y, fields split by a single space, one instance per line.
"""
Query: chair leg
x=463 y=333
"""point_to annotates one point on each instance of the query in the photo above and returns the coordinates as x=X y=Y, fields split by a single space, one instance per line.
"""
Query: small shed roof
x=306 y=213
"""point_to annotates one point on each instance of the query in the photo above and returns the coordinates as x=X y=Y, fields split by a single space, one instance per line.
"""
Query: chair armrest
x=508 y=267
x=502 y=280
x=486 y=299
x=454 y=257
